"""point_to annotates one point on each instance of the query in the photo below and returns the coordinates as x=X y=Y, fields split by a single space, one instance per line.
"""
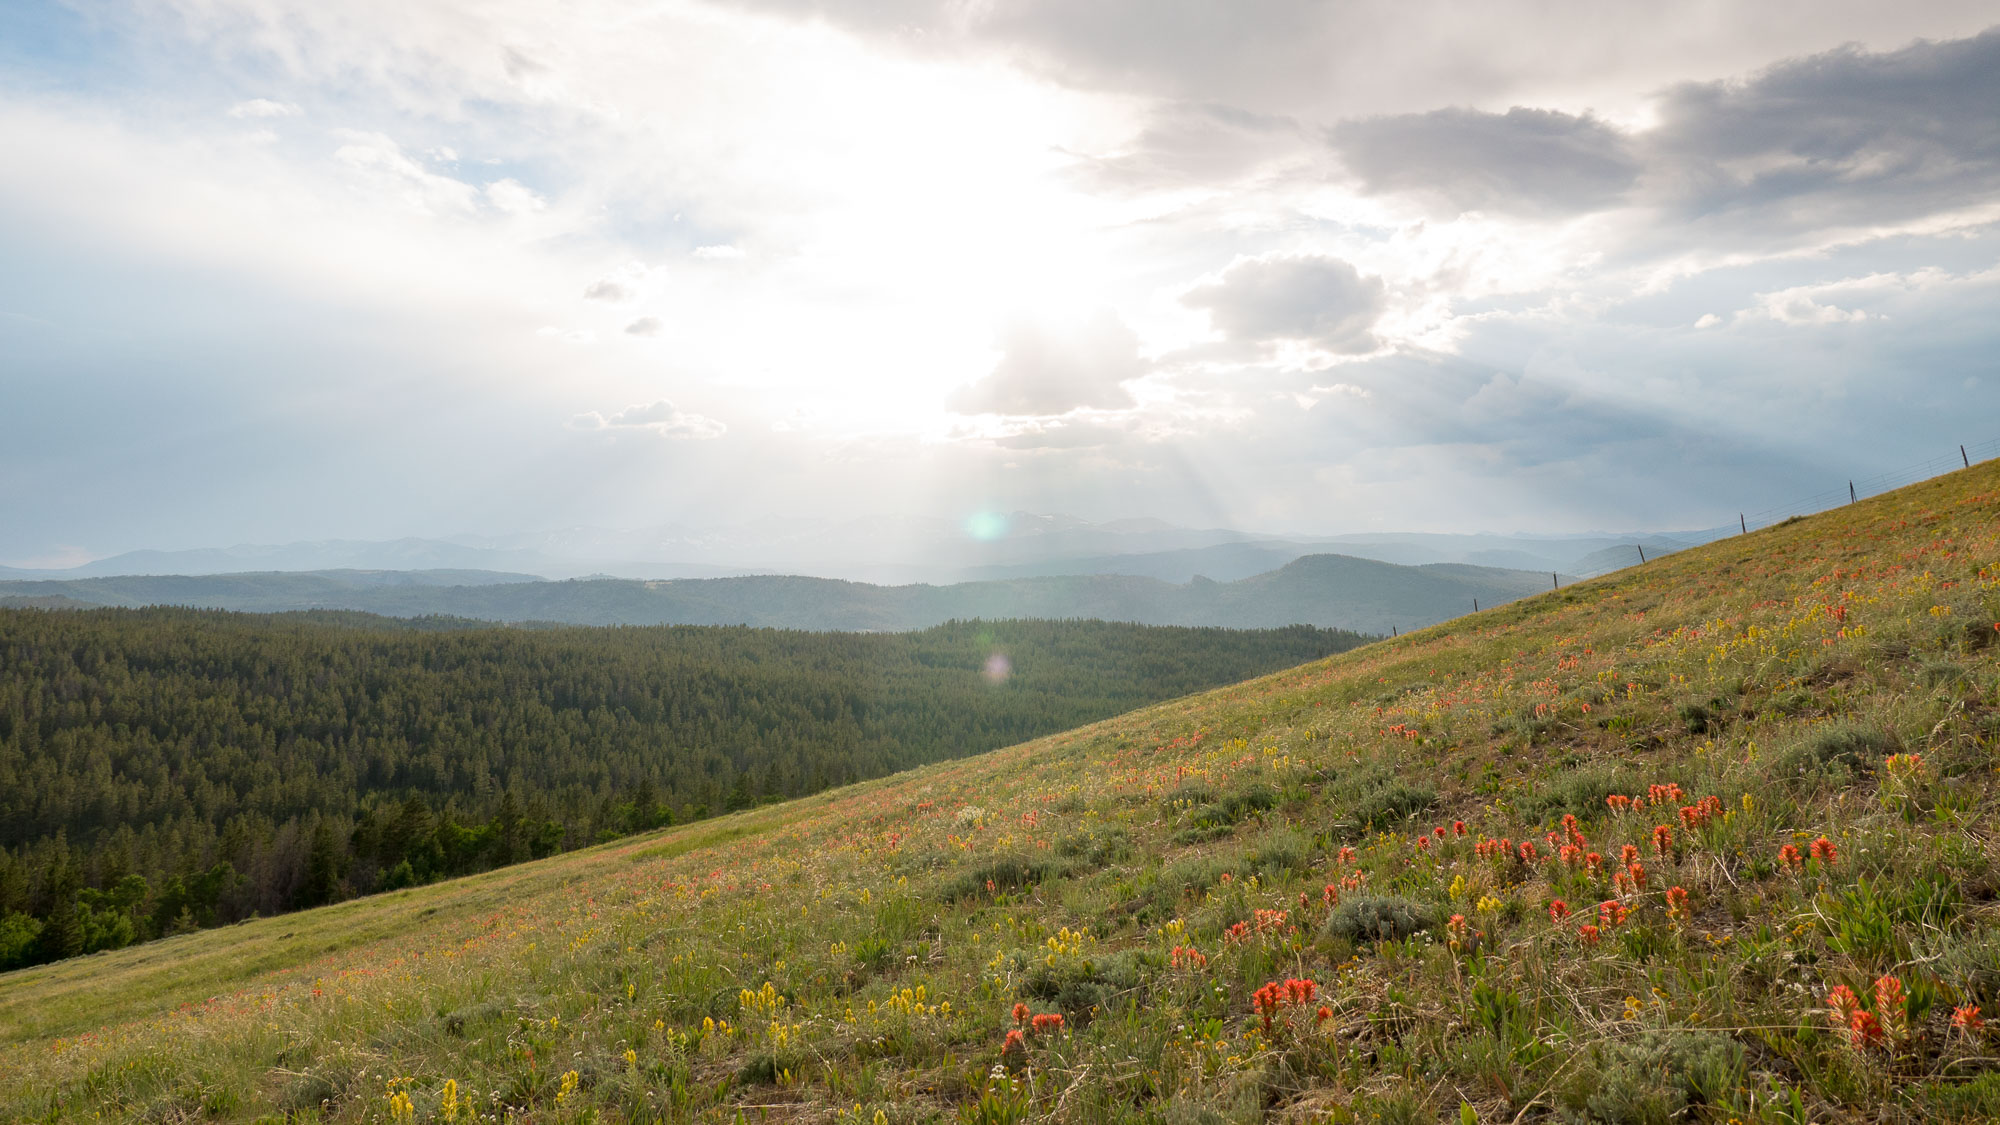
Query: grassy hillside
x=1326 y=590
x=1353 y=891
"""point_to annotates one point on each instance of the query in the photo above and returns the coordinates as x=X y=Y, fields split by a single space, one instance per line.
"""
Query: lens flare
x=985 y=526
x=997 y=669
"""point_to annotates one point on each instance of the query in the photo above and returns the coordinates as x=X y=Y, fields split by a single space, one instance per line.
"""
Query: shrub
x=1282 y=849
x=1096 y=848
x=1379 y=918
x=1833 y=750
x=1002 y=873
x=1656 y=1078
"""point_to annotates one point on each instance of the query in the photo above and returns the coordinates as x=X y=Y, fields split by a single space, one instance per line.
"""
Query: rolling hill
x=1707 y=840
x=1334 y=591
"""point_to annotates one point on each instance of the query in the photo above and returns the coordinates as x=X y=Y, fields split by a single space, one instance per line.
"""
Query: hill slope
x=1349 y=891
x=1327 y=590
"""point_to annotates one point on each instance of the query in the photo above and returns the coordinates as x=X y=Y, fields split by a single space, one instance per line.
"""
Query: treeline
x=169 y=769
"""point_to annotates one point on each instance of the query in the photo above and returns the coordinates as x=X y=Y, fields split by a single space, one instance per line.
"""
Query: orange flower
x=1588 y=934
x=1789 y=856
x=1558 y=911
x=1663 y=839
x=1965 y=1018
x=1020 y=1013
x=1677 y=902
x=1823 y=850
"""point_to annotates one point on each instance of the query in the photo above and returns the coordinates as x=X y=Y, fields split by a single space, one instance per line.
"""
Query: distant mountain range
x=889 y=551
x=1342 y=591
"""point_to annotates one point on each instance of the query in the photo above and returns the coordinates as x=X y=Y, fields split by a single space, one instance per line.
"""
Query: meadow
x=1710 y=839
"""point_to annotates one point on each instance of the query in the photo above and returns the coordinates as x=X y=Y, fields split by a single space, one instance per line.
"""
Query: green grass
x=1148 y=877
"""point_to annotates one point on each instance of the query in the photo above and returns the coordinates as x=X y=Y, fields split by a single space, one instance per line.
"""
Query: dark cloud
x=1842 y=137
x=1323 y=61
x=1186 y=143
x=1324 y=302
x=1535 y=161
x=1048 y=369
x=645 y=326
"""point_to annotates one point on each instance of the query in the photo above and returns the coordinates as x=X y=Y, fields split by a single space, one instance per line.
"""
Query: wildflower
x=1595 y=862
x=1046 y=1022
x=1325 y=1013
x=1015 y=1044
x=1789 y=856
x=1677 y=903
x=1638 y=872
x=1663 y=839
x=1458 y=933
x=1458 y=826
x=1021 y=1009
x=1965 y=1019
x=1619 y=802
x=1438 y=831
x=1558 y=911
x=448 y=1100
x=1865 y=1030
x=1823 y=850
x=1628 y=855
x=1611 y=913
x=1528 y=853
x=1331 y=895
x=1842 y=1006
x=1891 y=1006
x=1588 y=934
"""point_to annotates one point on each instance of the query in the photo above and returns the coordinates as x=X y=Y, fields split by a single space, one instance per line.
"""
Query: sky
x=274 y=270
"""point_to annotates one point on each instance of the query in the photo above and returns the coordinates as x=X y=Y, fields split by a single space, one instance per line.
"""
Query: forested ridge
x=163 y=769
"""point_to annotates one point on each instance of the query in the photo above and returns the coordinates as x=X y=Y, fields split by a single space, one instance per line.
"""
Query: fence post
x=1850 y=492
x=1554 y=582
x=1742 y=523
x=1963 y=457
x=1475 y=605
x=1642 y=552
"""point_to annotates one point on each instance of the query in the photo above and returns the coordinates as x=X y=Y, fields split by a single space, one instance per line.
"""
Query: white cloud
x=606 y=289
x=718 y=253
x=1051 y=367
x=514 y=198
x=264 y=107
x=381 y=165
x=646 y=326
x=660 y=417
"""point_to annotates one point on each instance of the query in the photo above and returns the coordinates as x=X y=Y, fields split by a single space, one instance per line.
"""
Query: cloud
x=264 y=107
x=646 y=326
x=1183 y=144
x=381 y=163
x=1840 y=137
x=1322 y=302
x=1052 y=369
x=1836 y=139
x=606 y=290
x=1523 y=161
x=718 y=253
x=661 y=417
x=1796 y=308
x=514 y=198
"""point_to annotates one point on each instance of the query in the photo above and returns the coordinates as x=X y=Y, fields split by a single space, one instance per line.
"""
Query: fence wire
x=1849 y=491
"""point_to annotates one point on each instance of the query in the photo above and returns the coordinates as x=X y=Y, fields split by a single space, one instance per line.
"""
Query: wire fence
x=1965 y=456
